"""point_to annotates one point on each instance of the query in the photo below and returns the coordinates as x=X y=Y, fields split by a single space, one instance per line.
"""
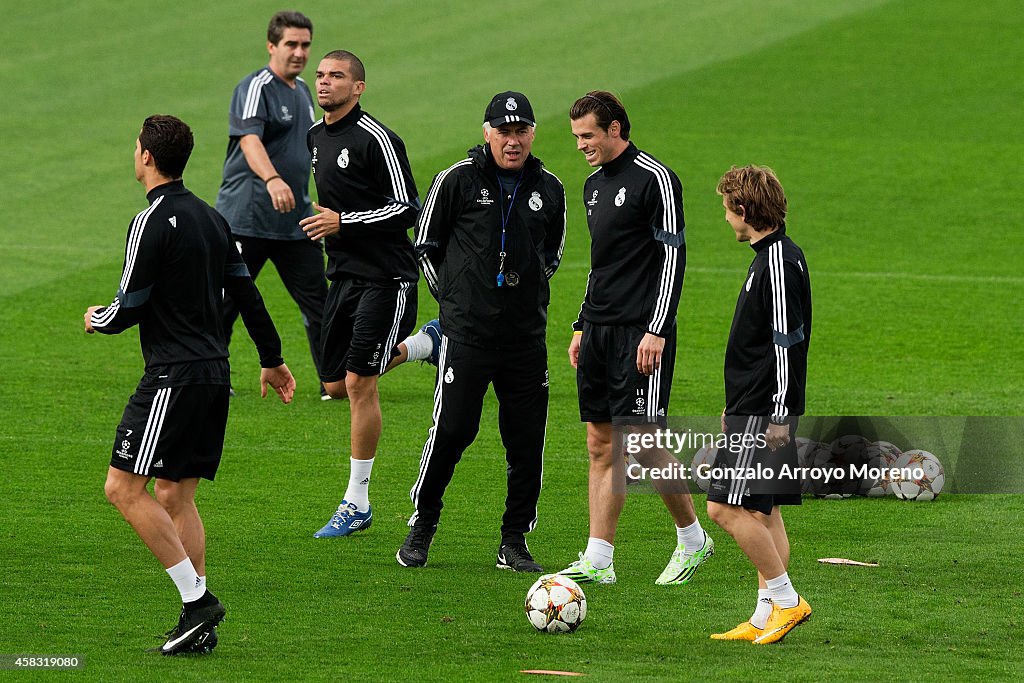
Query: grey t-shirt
x=265 y=105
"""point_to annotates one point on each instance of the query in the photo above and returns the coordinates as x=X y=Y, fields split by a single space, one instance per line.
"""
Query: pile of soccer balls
x=925 y=482
x=556 y=604
x=839 y=455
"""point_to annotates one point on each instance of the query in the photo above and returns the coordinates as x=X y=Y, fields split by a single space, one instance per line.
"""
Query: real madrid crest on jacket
x=638 y=244
x=362 y=172
x=488 y=245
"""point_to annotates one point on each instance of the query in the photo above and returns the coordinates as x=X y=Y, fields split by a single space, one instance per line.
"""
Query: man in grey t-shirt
x=265 y=191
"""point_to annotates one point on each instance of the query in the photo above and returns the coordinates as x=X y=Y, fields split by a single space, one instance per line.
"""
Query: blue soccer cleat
x=346 y=520
x=433 y=330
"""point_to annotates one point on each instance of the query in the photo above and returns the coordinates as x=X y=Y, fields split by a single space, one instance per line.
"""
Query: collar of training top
x=769 y=239
x=620 y=162
x=172 y=187
x=348 y=120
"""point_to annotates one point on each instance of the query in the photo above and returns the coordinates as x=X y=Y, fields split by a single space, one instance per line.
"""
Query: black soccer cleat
x=204 y=644
x=413 y=552
x=516 y=557
x=197 y=622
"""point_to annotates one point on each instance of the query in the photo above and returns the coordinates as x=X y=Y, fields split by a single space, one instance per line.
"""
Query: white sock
x=358 y=491
x=185 y=578
x=692 y=537
x=599 y=552
x=418 y=345
x=202 y=583
x=780 y=590
x=764 y=608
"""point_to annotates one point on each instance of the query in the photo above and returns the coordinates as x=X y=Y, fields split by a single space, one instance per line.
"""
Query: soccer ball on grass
x=925 y=487
x=556 y=604
x=880 y=455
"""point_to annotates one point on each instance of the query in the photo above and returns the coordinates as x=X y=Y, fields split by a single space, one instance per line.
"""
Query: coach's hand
x=281 y=195
x=321 y=225
x=88 y=318
x=648 y=354
x=574 y=349
x=280 y=378
x=777 y=436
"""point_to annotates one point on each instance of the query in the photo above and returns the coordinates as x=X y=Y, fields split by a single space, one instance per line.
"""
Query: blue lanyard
x=505 y=216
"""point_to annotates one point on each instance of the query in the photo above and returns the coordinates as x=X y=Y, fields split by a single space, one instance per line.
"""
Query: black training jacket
x=458 y=242
x=637 y=244
x=179 y=260
x=766 y=358
x=362 y=172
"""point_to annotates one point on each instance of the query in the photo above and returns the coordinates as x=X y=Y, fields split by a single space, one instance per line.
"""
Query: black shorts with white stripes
x=735 y=479
x=172 y=432
x=610 y=387
x=363 y=324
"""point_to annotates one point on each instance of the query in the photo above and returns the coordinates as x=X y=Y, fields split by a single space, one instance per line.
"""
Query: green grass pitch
x=895 y=128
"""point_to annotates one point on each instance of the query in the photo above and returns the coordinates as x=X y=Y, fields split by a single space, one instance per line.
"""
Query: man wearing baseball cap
x=488 y=239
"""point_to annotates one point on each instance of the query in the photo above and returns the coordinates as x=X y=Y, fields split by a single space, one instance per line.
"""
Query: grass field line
x=863 y=275
x=73 y=248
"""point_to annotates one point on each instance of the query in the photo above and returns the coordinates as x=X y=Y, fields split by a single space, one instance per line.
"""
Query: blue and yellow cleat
x=433 y=330
x=346 y=520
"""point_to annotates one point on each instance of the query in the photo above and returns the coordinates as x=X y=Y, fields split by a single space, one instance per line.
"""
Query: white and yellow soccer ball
x=924 y=487
x=703 y=461
x=556 y=604
x=879 y=456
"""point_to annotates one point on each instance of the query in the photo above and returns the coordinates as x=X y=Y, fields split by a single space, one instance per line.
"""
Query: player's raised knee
x=336 y=390
x=116 y=488
x=720 y=513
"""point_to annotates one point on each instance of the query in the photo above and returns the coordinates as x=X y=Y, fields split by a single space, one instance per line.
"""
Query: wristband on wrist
x=270 y=178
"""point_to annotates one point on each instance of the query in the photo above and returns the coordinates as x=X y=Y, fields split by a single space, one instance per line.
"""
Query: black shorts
x=610 y=387
x=363 y=324
x=172 y=433
x=738 y=482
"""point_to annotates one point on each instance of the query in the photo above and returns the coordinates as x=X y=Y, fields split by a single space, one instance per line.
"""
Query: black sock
x=207 y=599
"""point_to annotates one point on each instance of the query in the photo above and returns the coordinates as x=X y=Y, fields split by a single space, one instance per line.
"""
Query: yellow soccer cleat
x=745 y=631
x=782 y=620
